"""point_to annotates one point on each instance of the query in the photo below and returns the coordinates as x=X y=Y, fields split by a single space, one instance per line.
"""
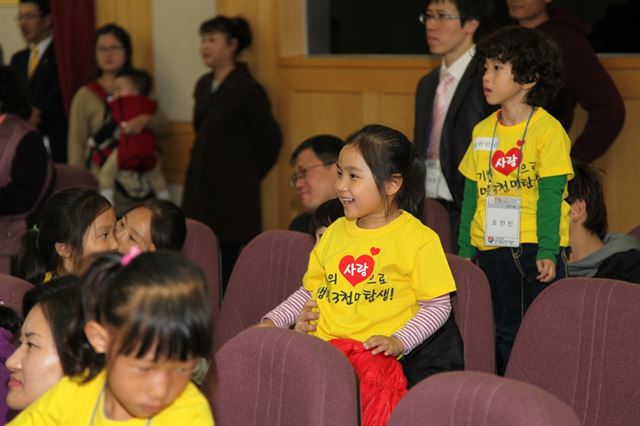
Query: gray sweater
x=613 y=243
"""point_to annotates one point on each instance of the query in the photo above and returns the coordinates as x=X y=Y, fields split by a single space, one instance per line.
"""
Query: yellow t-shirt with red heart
x=368 y=281
x=545 y=152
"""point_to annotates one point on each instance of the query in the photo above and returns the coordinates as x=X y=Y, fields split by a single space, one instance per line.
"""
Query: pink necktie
x=439 y=114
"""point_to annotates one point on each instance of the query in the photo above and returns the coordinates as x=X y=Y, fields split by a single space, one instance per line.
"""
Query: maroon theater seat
x=268 y=270
x=270 y=376
x=580 y=340
x=201 y=246
x=436 y=217
x=12 y=290
x=473 y=312
x=467 y=398
x=68 y=176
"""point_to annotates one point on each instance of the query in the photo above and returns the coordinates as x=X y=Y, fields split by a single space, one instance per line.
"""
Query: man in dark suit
x=37 y=64
x=450 y=99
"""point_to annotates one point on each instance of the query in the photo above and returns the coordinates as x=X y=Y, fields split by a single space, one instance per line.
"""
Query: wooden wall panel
x=312 y=95
x=135 y=17
x=397 y=111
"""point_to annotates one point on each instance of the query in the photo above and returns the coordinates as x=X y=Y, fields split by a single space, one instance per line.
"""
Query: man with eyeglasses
x=314 y=175
x=449 y=99
x=37 y=65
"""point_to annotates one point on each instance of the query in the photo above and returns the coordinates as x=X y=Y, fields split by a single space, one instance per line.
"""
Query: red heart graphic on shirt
x=374 y=251
x=356 y=270
x=506 y=163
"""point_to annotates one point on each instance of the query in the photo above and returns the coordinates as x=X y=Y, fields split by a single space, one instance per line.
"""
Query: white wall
x=176 y=44
x=10 y=37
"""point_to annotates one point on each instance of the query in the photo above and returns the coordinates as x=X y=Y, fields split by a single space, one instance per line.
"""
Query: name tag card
x=434 y=174
x=502 y=221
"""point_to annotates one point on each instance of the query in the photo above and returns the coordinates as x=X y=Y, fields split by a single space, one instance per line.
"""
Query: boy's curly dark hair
x=533 y=56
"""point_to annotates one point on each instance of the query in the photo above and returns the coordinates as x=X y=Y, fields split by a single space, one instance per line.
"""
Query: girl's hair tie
x=133 y=253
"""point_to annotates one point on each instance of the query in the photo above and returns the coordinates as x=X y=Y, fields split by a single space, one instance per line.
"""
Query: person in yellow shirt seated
x=144 y=322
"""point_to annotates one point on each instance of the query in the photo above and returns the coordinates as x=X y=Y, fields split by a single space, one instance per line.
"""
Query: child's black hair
x=158 y=302
x=234 y=28
x=10 y=321
x=168 y=224
x=533 y=56
x=140 y=79
x=56 y=299
x=586 y=185
x=326 y=213
x=65 y=218
x=388 y=152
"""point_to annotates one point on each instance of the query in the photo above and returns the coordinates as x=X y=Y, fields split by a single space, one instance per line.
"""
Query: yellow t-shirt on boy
x=545 y=152
x=70 y=402
x=368 y=281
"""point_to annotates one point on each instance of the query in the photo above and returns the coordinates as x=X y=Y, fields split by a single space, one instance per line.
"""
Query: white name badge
x=502 y=221
x=434 y=174
x=486 y=144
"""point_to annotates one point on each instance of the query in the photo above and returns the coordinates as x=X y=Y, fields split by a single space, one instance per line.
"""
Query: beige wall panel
x=176 y=150
x=312 y=113
x=176 y=53
x=308 y=114
x=621 y=181
x=397 y=111
x=10 y=37
x=336 y=79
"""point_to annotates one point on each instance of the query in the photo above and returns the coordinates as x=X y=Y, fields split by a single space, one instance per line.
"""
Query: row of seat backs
x=280 y=377
x=579 y=342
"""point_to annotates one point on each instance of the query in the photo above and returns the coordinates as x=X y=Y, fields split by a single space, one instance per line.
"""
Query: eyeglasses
x=438 y=17
x=28 y=17
x=109 y=49
x=302 y=172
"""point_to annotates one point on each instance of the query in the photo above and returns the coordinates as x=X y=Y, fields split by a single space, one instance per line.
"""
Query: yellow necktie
x=33 y=62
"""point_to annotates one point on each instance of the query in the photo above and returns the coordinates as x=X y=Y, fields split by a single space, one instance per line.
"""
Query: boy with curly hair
x=514 y=214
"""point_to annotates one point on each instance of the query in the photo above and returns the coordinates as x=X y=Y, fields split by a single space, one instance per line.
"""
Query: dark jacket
x=44 y=89
x=468 y=107
x=237 y=143
x=585 y=82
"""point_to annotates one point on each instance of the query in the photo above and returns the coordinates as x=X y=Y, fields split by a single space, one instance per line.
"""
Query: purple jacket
x=6 y=350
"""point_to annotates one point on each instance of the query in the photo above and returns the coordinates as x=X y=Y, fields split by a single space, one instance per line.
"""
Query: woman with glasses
x=237 y=140
x=89 y=110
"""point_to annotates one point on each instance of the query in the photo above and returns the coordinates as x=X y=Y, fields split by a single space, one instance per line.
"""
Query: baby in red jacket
x=136 y=149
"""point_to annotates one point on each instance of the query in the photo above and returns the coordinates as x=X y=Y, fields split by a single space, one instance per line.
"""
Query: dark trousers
x=512 y=276
x=442 y=351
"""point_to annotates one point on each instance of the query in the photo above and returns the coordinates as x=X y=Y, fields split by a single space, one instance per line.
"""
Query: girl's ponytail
x=411 y=195
x=32 y=265
x=88 y=298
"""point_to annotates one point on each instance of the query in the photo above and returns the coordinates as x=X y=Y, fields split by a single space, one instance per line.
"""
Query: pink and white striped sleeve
x=285 y=314
x=430 y=317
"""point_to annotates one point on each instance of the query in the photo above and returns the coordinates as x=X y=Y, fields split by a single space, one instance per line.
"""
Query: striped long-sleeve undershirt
x=430 y=317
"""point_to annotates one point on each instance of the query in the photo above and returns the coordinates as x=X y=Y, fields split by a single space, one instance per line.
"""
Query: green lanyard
x=493 y=138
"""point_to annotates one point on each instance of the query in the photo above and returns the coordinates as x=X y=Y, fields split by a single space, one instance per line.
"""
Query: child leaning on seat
x=378 y=275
